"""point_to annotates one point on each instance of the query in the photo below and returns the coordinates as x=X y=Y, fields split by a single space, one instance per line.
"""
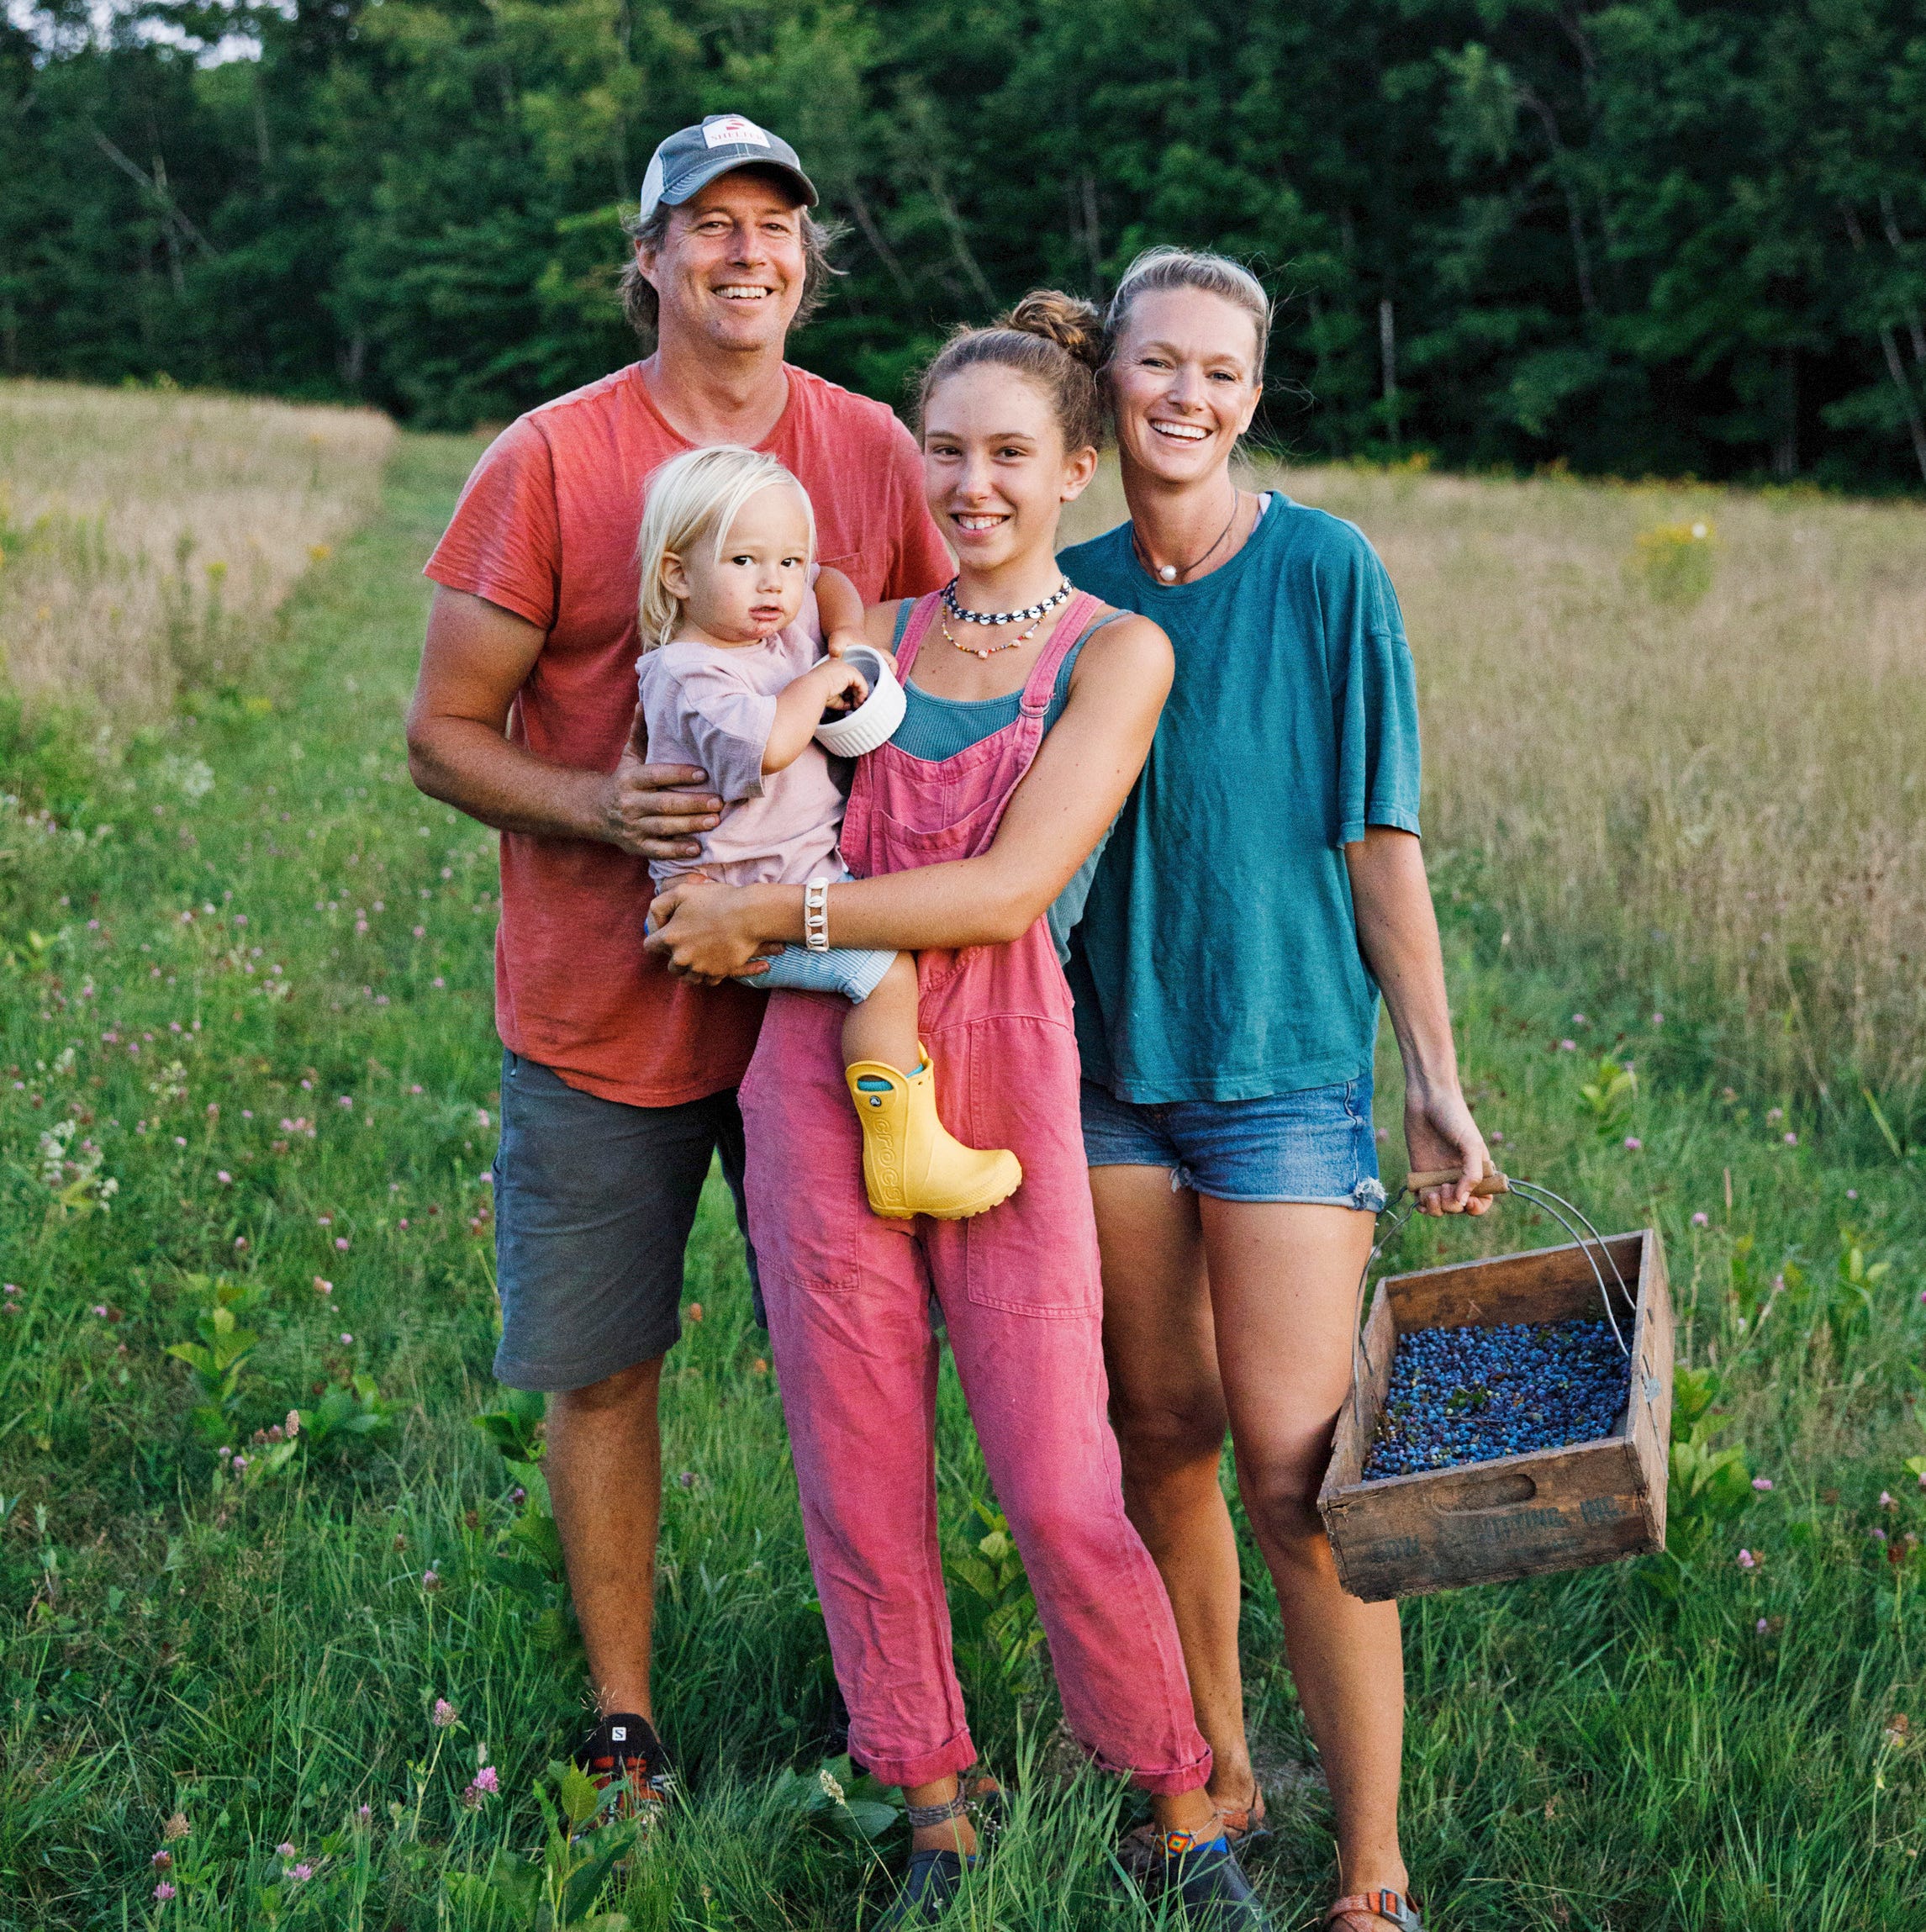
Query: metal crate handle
x=1490 y=1185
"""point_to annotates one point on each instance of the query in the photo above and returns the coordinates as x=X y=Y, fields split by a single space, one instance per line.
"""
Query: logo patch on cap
x=734 y=129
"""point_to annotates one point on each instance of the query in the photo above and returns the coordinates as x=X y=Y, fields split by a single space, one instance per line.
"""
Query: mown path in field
x=1690 y=1742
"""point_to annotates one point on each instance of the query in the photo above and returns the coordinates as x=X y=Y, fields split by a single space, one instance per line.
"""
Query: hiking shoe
x=1208 y=1884
x=625 y=1748
x=929 y=1887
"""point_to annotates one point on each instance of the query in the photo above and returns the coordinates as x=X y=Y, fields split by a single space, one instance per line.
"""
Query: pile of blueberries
x=1469 y=1394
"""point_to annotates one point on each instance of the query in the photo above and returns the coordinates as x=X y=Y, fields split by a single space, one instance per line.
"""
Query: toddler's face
x=757 y=586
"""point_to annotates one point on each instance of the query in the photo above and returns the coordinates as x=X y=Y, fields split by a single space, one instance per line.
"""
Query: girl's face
x=995 y=472
x=757 y=586
x=1183 y=381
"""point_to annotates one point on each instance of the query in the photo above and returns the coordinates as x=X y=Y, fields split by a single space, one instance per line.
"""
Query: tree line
x=1648 y=236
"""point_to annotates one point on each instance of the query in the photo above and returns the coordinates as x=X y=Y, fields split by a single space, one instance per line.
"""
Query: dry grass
x=145 y=535
x=1701 y=763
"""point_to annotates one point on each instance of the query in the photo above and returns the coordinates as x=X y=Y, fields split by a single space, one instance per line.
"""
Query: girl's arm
x=1397 y=933
x=1082 y=775
x=840 y=610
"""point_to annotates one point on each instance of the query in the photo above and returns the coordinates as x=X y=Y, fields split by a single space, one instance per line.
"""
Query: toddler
x=734 y=677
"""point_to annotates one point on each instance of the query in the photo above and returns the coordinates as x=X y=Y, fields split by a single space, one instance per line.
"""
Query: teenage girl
x=1031 y=706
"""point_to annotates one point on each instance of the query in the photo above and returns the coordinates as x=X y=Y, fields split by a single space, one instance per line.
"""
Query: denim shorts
x=844 y=969
x=1315 y=1146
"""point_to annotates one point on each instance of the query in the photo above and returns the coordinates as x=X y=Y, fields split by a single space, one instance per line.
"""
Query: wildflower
x=1497 y=1135
x=1774 y=1114
x=300 y=1874
x=346 y=1100
x=1852 y=1194
x=421 y=933
x=1761 y=1626
x=340 y=1243
x=438 y=981
x=180 y=1140
x=695 y=1311
x=1877 y=1534
x=321 y=1220
x=176 y=1826
x=100 y=1310
x=240 y=1464
x=488 y=1779
x=1791 y=1140
x=445 y=1712
x=1747 y=1561
x=1886 y=1500
x=161 y=1860
x=163 y=1891
x=761 y=1367
x=347 y=1340
x=294 y=1424
x=323 y=1287
x=1568 y=1046
x=224 y=1177
x=414 y=1090
x=284 y=1849
x=431 y=1581
x=1658 y=1019
x=1762 y=1483
x=365 y=1814
x=400 y=1543
x=1633 y=1143
x=831 y=1790
x=519 y=1495
x=1579 y=1019
x=239 y=1242
x=687 y=1478
x=1701 y=1219
x=404 y=1221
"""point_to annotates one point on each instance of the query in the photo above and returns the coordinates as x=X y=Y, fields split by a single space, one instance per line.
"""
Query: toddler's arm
x=840 y=610
x=799 y=709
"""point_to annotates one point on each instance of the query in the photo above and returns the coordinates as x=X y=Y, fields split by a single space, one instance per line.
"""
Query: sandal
x=1244 y=1826
x=1388 y=1907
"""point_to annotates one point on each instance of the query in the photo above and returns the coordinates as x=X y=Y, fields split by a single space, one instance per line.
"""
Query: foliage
x=1646 y=237
x=584 y=1844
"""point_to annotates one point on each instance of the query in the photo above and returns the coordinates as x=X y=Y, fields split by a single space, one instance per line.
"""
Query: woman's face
x=1183 y=381
x=995 y=472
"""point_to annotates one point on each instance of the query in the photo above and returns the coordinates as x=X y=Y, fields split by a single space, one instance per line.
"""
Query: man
x=619 y=1082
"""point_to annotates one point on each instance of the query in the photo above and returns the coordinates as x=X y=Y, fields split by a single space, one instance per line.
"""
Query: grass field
x=257 y=1011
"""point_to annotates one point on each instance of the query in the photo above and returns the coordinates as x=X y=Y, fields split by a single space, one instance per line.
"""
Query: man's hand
x=651 y=811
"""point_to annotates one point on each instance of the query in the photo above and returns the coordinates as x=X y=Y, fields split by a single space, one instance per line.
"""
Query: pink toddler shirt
x=715 y=707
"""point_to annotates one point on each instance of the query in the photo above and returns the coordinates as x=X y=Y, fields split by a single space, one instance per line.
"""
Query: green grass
x=1624 y=1748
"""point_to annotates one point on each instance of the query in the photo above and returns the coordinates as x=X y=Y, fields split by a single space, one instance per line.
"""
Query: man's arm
x=478 y=655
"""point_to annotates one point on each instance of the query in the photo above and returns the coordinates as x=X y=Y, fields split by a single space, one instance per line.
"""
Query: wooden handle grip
x=1493 y=1183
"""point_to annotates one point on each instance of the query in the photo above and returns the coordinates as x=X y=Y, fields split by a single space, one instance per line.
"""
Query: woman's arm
x=1085 y=767
x=1397 y=933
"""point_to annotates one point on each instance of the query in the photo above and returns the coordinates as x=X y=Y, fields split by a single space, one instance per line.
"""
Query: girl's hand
x=1439 y=1132
x=701 y=932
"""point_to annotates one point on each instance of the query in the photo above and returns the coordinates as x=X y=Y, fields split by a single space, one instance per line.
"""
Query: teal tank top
x=935 y=728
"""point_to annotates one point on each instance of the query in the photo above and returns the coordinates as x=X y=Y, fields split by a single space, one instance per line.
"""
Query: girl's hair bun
x=1068 y=320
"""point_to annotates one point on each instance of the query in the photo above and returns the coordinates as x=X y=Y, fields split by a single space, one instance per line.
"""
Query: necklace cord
x=1182 y=572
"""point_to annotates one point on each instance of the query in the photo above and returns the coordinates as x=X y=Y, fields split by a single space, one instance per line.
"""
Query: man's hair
x=642 y=308
x=696 y=495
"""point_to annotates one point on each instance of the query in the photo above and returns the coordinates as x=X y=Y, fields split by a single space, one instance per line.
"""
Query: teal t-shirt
x=1217 y=957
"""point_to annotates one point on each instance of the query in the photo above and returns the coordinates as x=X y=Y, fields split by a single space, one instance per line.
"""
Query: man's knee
x=635 y=1386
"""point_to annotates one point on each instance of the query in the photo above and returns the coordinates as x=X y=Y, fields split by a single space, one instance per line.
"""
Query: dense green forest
x=1654 y=237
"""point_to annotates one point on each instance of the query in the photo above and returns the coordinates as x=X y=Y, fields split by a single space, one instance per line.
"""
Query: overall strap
x=1042 y=685
x=914 y=617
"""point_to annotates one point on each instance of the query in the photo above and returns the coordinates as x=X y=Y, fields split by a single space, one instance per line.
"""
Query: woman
x=1030 y=708
x=1264 y=874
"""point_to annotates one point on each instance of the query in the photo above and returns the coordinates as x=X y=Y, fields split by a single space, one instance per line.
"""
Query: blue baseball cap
x=692 y=158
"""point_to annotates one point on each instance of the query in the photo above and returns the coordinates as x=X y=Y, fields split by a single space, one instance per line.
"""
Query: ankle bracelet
x=923 y=1817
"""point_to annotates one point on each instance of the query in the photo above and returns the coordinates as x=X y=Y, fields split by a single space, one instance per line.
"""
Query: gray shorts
x=593 y=1205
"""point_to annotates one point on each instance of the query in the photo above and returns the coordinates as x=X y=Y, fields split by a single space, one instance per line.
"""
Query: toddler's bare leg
x=884 y=1027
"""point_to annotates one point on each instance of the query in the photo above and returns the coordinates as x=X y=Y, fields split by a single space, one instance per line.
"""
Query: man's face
x=730 y=267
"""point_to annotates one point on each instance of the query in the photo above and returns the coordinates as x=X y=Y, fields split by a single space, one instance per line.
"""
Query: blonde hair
x=1211 y=274
x=696 y=495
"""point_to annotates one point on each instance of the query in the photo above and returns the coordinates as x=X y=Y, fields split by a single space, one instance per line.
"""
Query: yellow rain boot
x=912 y=1164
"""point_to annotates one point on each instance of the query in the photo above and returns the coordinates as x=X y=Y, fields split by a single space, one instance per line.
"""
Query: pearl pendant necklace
x=1169 y=573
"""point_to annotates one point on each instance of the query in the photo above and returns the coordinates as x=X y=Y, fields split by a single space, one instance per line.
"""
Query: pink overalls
x=848 y=1302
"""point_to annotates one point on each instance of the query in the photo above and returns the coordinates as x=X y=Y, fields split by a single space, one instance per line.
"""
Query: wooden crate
x=1519 y=1515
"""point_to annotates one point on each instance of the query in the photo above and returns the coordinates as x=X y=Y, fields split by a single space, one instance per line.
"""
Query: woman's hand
x=704 y=932
x=1440 y=1132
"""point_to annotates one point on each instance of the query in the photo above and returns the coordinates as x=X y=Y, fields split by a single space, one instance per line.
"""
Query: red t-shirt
x=546 y=528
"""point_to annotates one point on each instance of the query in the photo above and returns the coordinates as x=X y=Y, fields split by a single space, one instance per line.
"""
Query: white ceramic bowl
x=874 y=722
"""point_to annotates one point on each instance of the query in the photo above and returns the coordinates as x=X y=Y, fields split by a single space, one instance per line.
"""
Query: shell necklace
x=1033 y=616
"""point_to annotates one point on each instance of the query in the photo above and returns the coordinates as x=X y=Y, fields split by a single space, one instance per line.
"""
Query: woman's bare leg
x=1168 y=1412
x=1283 y=1281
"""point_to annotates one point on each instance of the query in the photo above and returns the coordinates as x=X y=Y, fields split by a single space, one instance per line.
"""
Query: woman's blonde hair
x=696 y=495
x=1211 y=274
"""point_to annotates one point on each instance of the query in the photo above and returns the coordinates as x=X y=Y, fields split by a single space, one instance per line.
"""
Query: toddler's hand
x=844 y=687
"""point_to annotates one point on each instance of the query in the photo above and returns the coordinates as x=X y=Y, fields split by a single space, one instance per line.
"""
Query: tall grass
x=214 y=1666
x=145 y=535
x=1698 y=761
